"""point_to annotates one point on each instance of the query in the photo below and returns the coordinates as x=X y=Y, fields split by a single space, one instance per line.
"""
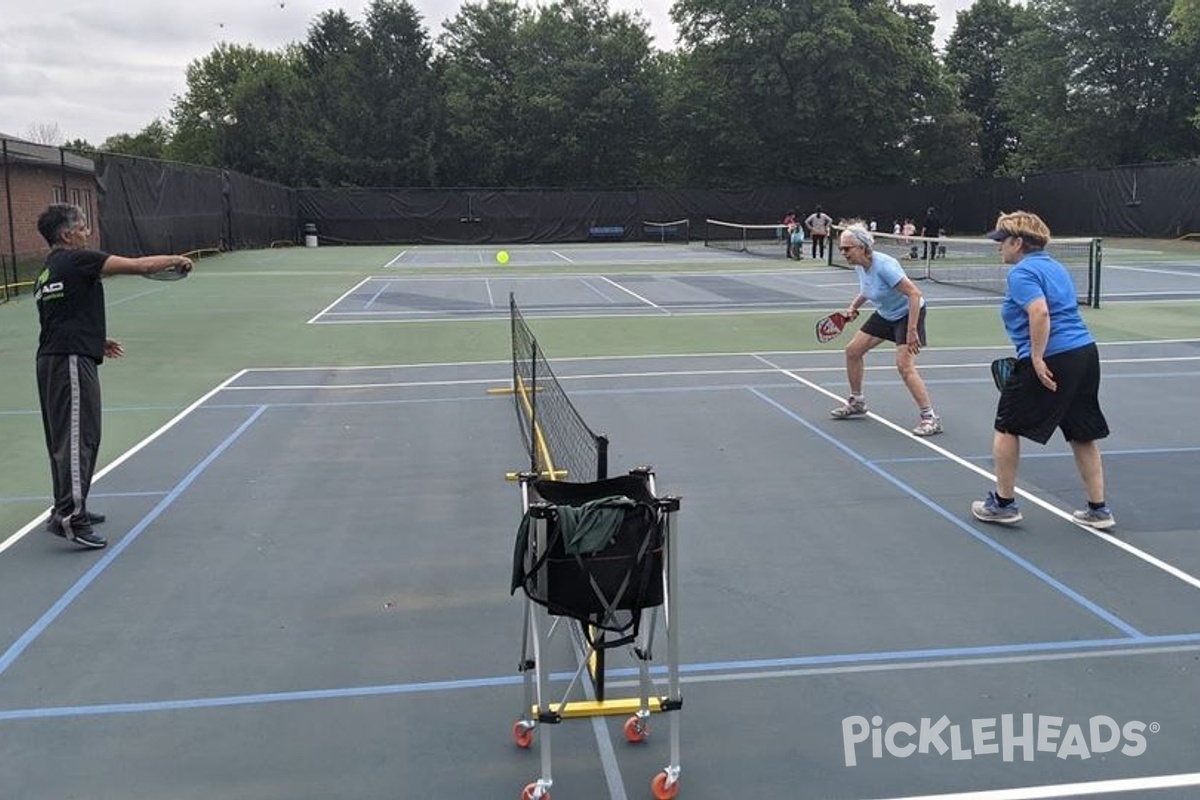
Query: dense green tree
x=973 y=55
x=372 y=96
x=560 y=95
x=214 y=121
x=150 y=142
x=81 y=146
x=1097 y=83
x=569 y=93
x=827 y=92
x=1185 y=16
x=479 y=67
x=266 y=133
x=400 y=87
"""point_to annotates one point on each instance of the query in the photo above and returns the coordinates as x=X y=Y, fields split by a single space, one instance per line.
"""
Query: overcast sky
x=96 y=69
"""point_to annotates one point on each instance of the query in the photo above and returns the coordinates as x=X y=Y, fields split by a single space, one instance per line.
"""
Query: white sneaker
x=928 y=426
x=852 y=408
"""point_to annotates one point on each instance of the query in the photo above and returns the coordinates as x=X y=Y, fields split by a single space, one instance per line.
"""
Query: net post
x=533 y=416
x=512 y=330
x=601 y=457
x=1094 y=272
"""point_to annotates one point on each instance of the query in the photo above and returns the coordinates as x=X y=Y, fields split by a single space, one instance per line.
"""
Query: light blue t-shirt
x=878 y=284
x=1039 y=275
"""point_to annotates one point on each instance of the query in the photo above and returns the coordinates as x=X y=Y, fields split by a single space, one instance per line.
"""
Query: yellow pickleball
x=502 y=257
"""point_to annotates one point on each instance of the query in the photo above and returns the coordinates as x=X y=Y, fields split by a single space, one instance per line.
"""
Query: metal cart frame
x=540 y=710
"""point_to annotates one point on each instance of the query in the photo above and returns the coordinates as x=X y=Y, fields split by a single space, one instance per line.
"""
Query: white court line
x=347 y=293
x=757 y=356
x=1153 y=561
x=1156 y=271
x=564 y=258
x=128 y=454
x=634 y=294
x=135 y=296
x=386 y=385
x=402 y=254
x=1069 y=789
x=487 y=282
x=596 y=291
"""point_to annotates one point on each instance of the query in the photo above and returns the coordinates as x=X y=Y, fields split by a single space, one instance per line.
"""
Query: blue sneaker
x=1100 y=518
x=990 y=510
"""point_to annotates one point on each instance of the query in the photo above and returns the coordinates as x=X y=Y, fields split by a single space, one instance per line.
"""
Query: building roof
x=18 y=151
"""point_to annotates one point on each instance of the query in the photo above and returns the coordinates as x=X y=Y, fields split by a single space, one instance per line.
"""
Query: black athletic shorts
x=1029 y=409
x=896 y=331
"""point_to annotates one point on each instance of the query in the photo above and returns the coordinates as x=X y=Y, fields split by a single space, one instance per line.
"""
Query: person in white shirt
x=818 y=224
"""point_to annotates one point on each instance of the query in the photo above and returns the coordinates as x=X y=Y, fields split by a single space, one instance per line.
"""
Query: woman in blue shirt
x=899 y=317
x=1056 y=383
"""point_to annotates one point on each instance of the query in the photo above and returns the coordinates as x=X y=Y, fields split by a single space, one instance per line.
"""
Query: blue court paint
x=91 y=496
x=1028 y=566
x=113 y=552
x=374 y=297
x=747 y=666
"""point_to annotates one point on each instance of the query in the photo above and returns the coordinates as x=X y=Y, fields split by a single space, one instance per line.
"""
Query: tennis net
x=766 y=240
x=678 y=231
x=560 y=445
x=975 y=263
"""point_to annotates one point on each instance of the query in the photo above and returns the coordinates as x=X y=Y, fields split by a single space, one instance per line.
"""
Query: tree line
x=816 y=92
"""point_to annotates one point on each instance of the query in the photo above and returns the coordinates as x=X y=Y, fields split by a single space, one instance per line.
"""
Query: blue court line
x=745 y=666
x=88 y=577
x=920 y=655
x=91 y=495
x=33 y=412
x=1028 y=566
x=374 y=297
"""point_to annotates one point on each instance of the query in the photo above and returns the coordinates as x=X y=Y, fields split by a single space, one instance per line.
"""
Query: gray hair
x=56 y=219
x=858 y=229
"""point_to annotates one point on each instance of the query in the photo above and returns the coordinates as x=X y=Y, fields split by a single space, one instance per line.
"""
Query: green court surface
x=249 y=310
x=319 y=606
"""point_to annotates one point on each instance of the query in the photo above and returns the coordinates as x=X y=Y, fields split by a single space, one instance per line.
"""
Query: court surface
x=306 y=590
x=568 y=283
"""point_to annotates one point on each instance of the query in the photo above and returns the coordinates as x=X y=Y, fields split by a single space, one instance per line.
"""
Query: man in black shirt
x=73 y=343
x=932 y=229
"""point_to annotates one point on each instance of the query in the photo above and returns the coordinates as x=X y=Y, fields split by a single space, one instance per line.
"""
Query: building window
x=59 y=197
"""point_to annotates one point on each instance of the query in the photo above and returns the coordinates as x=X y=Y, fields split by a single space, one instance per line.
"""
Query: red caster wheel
x=660 y=788
x=529 y=793
x=522 y=734
x=636 y=730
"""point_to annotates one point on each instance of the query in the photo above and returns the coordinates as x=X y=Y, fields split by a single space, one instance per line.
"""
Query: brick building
x=33 y=176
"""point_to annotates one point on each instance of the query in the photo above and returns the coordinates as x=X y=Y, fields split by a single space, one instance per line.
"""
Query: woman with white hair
x=899 y=317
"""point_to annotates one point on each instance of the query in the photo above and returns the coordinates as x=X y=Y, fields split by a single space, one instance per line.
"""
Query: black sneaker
x=55 y=526
x=86 y=537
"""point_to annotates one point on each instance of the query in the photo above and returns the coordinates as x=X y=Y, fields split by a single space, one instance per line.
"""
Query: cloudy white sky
x=91 y=69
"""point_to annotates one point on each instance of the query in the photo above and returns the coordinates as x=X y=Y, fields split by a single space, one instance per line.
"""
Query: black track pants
x=69 y=391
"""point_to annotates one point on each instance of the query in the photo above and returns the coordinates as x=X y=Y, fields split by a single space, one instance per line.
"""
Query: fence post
x=12 y=231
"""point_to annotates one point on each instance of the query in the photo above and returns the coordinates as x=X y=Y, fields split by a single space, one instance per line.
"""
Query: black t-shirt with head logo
x=70 y=301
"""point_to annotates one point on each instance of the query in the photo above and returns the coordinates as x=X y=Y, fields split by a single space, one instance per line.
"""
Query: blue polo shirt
x=878 y=284
x=1039 y=275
